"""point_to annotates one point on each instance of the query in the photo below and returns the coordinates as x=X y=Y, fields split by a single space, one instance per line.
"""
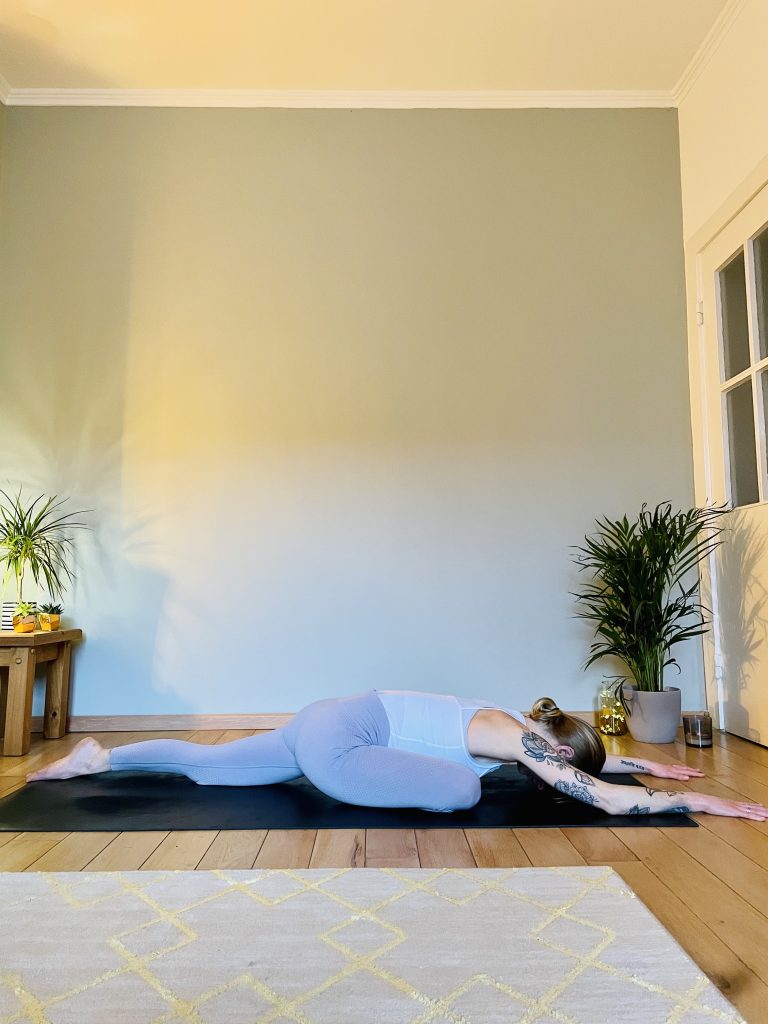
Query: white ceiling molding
x=344 y=99
x=5 y=90
x=708 y=48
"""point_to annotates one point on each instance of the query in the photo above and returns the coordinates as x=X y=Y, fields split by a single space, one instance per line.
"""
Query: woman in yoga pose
x=402 y=748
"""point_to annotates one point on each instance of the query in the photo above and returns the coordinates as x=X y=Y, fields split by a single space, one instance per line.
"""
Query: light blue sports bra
x=435 y=724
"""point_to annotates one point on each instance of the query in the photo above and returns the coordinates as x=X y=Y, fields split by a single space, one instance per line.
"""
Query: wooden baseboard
x=189 y=723
x=167 y=723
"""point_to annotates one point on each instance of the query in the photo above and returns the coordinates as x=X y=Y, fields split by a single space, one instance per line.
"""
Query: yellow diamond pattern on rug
x=347 y=946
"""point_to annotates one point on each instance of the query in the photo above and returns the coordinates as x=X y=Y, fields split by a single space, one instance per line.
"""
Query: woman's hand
x=673 y=771
x=727 y=808
x=532 y=751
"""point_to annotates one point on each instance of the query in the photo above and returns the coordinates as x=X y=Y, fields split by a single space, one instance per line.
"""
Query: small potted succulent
x=24 y=618
x=49 y=616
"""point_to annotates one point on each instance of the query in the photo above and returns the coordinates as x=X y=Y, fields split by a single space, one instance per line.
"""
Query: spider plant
x=32 y=540
x=642 y=599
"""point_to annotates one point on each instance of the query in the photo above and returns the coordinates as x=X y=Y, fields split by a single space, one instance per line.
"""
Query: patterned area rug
x=351 y=946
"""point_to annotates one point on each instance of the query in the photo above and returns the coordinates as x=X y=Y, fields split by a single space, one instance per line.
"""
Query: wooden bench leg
x=3 y=699
x=57 y=694
x=18 y=718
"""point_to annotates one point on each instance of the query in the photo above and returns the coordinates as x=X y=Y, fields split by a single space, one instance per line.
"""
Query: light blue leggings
x=339 y=744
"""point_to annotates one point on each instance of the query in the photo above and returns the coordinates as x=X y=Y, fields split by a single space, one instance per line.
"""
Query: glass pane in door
x=760 y=250
x=733 y=305
x=763 y=386
x=742 y=450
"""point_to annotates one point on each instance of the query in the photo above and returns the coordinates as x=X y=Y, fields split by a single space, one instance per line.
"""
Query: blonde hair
x=588 y=749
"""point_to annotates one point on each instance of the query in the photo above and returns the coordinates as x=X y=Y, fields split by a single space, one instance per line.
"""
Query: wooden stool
x=21 y=652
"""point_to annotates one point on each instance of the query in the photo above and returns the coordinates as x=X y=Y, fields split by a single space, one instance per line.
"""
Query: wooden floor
x=708 y=886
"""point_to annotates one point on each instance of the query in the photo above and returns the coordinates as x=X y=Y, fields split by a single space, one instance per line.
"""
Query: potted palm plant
x=643 y=602
x=33 y=543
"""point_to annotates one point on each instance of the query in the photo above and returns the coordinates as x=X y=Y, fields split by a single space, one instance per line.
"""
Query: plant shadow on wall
x=741 y=606
x=123 y=597
x=67 y=246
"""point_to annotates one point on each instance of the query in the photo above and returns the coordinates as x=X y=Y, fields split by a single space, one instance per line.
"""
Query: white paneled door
x=733 y=283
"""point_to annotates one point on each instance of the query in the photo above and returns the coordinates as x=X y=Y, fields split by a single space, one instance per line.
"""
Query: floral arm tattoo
x=578 y=792
x=580 y=785
x=649 y=809
x=577 y=784
x=538 y=748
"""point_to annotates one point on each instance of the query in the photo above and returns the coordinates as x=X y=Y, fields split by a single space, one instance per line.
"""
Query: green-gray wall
x=341 y=387
x=3 y=115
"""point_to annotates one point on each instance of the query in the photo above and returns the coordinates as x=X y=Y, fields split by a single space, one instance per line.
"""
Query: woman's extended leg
x=251 y=761
x=340 y=745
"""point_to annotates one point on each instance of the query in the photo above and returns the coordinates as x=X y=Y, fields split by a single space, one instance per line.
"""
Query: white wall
x=342 y=388
x=724 y=117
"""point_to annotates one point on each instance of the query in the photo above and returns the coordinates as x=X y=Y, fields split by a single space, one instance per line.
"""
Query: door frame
x=708 y=466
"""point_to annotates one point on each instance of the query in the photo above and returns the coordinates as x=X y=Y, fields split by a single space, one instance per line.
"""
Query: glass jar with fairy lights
x=611 y=718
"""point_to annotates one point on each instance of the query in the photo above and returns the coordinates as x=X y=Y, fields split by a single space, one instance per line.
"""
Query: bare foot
x=88 y=757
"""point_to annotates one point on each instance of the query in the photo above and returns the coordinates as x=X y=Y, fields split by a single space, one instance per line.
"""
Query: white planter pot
x=654 y=717
x=8 y=611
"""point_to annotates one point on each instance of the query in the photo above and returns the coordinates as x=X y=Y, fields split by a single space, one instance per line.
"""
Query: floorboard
x=233 y=849
x=443 y=848
x=179 y=851
x=548 y=848
x=286 y=848
x=598 y=845
x=338 y=848
x=391 y=848
x=496 y=848
x=74 y=852
x=127 y=851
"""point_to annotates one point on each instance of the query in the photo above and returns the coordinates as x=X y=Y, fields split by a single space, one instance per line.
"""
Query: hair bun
x=585 y=741
x=545 y=710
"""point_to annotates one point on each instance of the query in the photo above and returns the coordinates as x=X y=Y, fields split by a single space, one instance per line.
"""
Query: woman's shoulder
x=489 y=733
x=478 y=704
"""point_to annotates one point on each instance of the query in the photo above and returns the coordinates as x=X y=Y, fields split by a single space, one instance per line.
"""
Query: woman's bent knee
x=464 y=793
x=471 y=794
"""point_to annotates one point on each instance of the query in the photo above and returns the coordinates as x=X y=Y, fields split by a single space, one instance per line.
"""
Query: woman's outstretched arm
x=534 y=752
x=620 y=763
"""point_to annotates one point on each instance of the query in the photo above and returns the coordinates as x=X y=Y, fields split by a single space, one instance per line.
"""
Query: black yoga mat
x=129 y=801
